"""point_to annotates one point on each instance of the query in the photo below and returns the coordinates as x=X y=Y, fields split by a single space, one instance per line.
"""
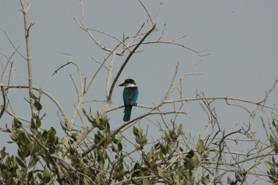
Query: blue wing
x=130 y=96
x=127 y=112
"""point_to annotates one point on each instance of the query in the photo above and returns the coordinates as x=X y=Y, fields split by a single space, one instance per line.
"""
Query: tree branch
x=109 y=97
x=27 y=27
x=4 y=101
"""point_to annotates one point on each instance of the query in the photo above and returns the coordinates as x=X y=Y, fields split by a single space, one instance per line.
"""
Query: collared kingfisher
x=130 y=96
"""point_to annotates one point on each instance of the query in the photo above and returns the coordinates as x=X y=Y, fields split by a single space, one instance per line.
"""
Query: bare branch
x=3 y=107
x=13 y=45
x=147 y=12
x=62 y=66
x=259 y=103
x=99 y=68
x=43 y=92
x=167 y=94
x=27 y=26
x=126 y=61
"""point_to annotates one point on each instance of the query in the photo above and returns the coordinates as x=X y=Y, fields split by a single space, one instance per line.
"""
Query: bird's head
x=128 y=83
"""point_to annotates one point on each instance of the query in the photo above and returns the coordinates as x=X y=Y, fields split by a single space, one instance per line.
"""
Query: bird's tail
x=127 y=112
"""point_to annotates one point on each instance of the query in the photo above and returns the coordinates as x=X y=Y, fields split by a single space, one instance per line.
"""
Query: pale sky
x=240 y=36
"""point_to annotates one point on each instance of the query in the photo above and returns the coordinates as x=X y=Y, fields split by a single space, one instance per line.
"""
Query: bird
x=130 y=96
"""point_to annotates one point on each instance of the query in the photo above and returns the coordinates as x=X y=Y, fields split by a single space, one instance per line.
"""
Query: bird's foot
x=134 y=104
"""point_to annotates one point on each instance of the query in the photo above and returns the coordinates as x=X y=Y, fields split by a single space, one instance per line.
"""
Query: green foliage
x=200 y=148
x=272 y=165
x=36 y=101
x=140 y=138
x=43 y=157
x=272 y=170
x=205 y=179
x=273 y=139
x=240 y=176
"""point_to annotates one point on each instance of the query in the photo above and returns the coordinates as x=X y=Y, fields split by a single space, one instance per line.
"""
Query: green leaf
x=205 y=179
x=140 y=138
x=33 y=161
x=136 y=131
x=120 y=147
x=52 y=140
x=20 y=162
x=36 y=101
x=3 y=153
x=101 y=155
x=46 y=175
x=98 y=137
x=36 y=122
x=190 y=154
x=24 y=144
x=275 y=125
x=25 y=150
x=116 y=139
x=191 y=161
x=11 y=162
x=101 y=122
x=274 y=143
x=117 y=147
x=200 y=148
x=51 y=135
x=173 y=135
x=195 y=161
x=160 y=172
x=147 y=182
x=179 y=130
x=37 y=105
x=164 y=149
x=151 y=155
x=16 y=124
x=240 y=175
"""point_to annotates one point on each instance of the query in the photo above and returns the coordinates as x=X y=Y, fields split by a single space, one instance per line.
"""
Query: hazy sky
x=240 y=35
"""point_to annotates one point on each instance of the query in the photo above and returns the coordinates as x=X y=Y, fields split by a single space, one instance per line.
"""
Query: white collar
x=131 y=85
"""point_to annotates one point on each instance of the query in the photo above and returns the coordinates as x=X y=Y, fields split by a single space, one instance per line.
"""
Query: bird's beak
x=122 y=84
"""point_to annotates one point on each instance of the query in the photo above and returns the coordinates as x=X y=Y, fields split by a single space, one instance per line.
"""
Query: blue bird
x=130 y=96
